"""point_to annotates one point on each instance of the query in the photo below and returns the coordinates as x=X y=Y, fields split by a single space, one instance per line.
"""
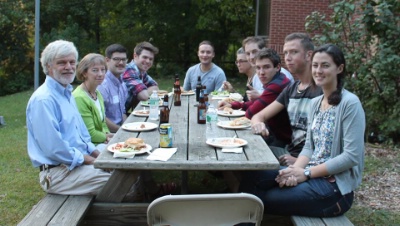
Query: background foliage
x=369 y=33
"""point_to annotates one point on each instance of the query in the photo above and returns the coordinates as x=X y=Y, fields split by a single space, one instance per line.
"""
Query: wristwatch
x=307 y=173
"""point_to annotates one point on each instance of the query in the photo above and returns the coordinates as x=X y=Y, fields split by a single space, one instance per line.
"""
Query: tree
x=16 y=56
x=368 y=32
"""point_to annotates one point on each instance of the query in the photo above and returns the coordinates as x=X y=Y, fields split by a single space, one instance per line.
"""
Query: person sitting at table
x=244 y=67
x=113 y=89
x=140 y=84
x=329 y=168
x=268 y=65
x=91 y=70
x=295 y=98
x=58 y=142
x=211 y=75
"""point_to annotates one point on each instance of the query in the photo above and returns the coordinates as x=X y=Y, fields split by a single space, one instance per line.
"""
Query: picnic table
x=192 y=154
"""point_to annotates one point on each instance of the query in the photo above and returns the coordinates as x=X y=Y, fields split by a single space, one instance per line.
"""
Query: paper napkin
x=162 y=154
x=233 y=150
x=127 y=155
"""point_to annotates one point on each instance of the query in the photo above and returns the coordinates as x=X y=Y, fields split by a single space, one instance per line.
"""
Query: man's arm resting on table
x=145 y=94
x=259 y=119
x=112 y=126
x=89 y=159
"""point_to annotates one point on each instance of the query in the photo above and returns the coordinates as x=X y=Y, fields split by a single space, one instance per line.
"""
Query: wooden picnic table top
x=192 y=151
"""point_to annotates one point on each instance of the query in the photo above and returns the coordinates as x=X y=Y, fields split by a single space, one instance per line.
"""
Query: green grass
x=20 y=190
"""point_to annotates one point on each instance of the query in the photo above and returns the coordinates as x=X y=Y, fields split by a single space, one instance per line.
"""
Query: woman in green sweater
x=91 y=71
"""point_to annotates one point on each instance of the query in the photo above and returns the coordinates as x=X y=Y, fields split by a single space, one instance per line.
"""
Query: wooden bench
x=316 y=221
x=58 y=210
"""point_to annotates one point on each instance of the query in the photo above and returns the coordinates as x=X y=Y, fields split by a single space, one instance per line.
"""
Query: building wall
x=288 y=16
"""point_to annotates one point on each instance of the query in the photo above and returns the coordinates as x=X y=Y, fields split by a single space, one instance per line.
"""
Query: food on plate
x=187 y=91
x=162 y=92
x=130 y=145
x=230 y=141
x=236 y=97
x=142 y=112
x=222 y=93
x=242 y=121
x=228 y=110
x=142 y=126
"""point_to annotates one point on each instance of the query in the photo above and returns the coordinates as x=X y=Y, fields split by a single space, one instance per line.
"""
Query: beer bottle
x=198 y=88
x=177 y=91
x=164 y=112
x=201 y=109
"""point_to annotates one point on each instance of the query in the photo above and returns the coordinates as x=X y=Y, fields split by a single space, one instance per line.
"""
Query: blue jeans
x=316 y=197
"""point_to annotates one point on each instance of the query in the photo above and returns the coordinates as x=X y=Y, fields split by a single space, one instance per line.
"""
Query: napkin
x=162 y=154
x=233 y=150
x=127 y=155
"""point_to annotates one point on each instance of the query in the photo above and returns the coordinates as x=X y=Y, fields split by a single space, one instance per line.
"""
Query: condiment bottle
x=164 y=112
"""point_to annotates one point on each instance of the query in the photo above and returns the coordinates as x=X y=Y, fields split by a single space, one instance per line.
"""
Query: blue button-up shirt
x=56 y=131
x=114 y=93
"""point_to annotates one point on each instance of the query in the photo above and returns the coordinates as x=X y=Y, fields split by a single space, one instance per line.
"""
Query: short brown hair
x=261 y=43
x=147 y=46
x=206 y=42
x=88 y=61
x=306 y=41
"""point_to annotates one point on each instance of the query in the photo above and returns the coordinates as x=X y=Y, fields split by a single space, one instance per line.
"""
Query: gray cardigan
x=347 y=154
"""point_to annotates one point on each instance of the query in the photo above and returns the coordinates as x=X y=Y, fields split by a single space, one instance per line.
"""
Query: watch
x=307 y=173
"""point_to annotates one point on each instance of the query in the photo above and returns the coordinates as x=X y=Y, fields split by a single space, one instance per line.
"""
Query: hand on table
x=223 y=104
x=260 y=129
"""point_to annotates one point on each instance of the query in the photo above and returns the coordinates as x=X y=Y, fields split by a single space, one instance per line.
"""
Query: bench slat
x=72 y=211
x=306 y=221
x=43 y=211
x=337 y=221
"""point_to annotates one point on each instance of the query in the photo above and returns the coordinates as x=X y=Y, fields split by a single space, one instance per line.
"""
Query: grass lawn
x=20 y=190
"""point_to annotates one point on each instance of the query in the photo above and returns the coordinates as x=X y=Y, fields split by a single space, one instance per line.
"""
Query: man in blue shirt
x=58 y=141
x=113 y=88
x=212 y=76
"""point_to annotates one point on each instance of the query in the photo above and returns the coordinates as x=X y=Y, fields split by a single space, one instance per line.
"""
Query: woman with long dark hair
x=329 y=168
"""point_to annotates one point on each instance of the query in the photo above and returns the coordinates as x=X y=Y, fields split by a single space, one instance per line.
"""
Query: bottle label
x=202 y=114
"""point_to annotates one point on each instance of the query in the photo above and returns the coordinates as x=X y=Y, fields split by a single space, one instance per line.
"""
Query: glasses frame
x=118 y=59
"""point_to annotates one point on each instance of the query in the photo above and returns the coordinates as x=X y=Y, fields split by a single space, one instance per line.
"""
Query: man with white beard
x=58 y=141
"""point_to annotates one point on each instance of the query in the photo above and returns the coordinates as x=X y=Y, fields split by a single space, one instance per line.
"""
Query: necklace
x=302 y=90
x=93 y=96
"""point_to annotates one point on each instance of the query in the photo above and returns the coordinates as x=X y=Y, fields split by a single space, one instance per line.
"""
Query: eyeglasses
x=241 y=61
x=117 y=59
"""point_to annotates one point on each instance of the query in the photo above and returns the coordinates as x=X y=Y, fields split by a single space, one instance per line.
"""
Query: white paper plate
x=139 y=126
x=146 y=103
x=226 y=142
x=141 y=113
x=235 y=113
x=188 y=93
x=143 y=150
x=226 y=125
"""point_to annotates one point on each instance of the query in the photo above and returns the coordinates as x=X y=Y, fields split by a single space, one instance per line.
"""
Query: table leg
x=117 y=186
x=184 y=187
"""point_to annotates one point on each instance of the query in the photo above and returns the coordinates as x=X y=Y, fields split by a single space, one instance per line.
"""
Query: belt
x=330 y=178
x=45 y=167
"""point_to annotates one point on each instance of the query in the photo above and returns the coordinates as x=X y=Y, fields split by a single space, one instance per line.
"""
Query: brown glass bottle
x=201 y=109
x=177 y=92
x=198 y=88
x=164 y=112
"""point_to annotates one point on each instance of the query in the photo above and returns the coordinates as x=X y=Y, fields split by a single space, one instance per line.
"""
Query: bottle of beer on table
x=198 y=88
x=164 y=112
x=177 y=91
x=201 y=109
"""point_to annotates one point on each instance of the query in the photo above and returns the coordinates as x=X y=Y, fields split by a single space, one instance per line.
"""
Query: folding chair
x=205 y=209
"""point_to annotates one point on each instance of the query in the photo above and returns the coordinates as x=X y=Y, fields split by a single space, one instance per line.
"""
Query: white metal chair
x=205 y=209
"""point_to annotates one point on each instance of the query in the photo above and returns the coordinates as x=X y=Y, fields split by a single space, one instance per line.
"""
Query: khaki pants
x=82 y=180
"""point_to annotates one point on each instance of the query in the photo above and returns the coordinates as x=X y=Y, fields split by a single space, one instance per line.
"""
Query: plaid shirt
x=135 y=81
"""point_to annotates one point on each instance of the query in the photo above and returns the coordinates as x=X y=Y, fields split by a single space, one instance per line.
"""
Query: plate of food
x=239 y=123
x=226 y=142
x=187 y=93
x=147 y=104
x=227 y=111
x=161 y=93
x=219 y=94
x=139 y=126
x=142 y=113
x=135 y=145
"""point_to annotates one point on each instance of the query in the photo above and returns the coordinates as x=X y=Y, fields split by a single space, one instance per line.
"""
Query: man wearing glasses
x=113 y=89
x=140 y=85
